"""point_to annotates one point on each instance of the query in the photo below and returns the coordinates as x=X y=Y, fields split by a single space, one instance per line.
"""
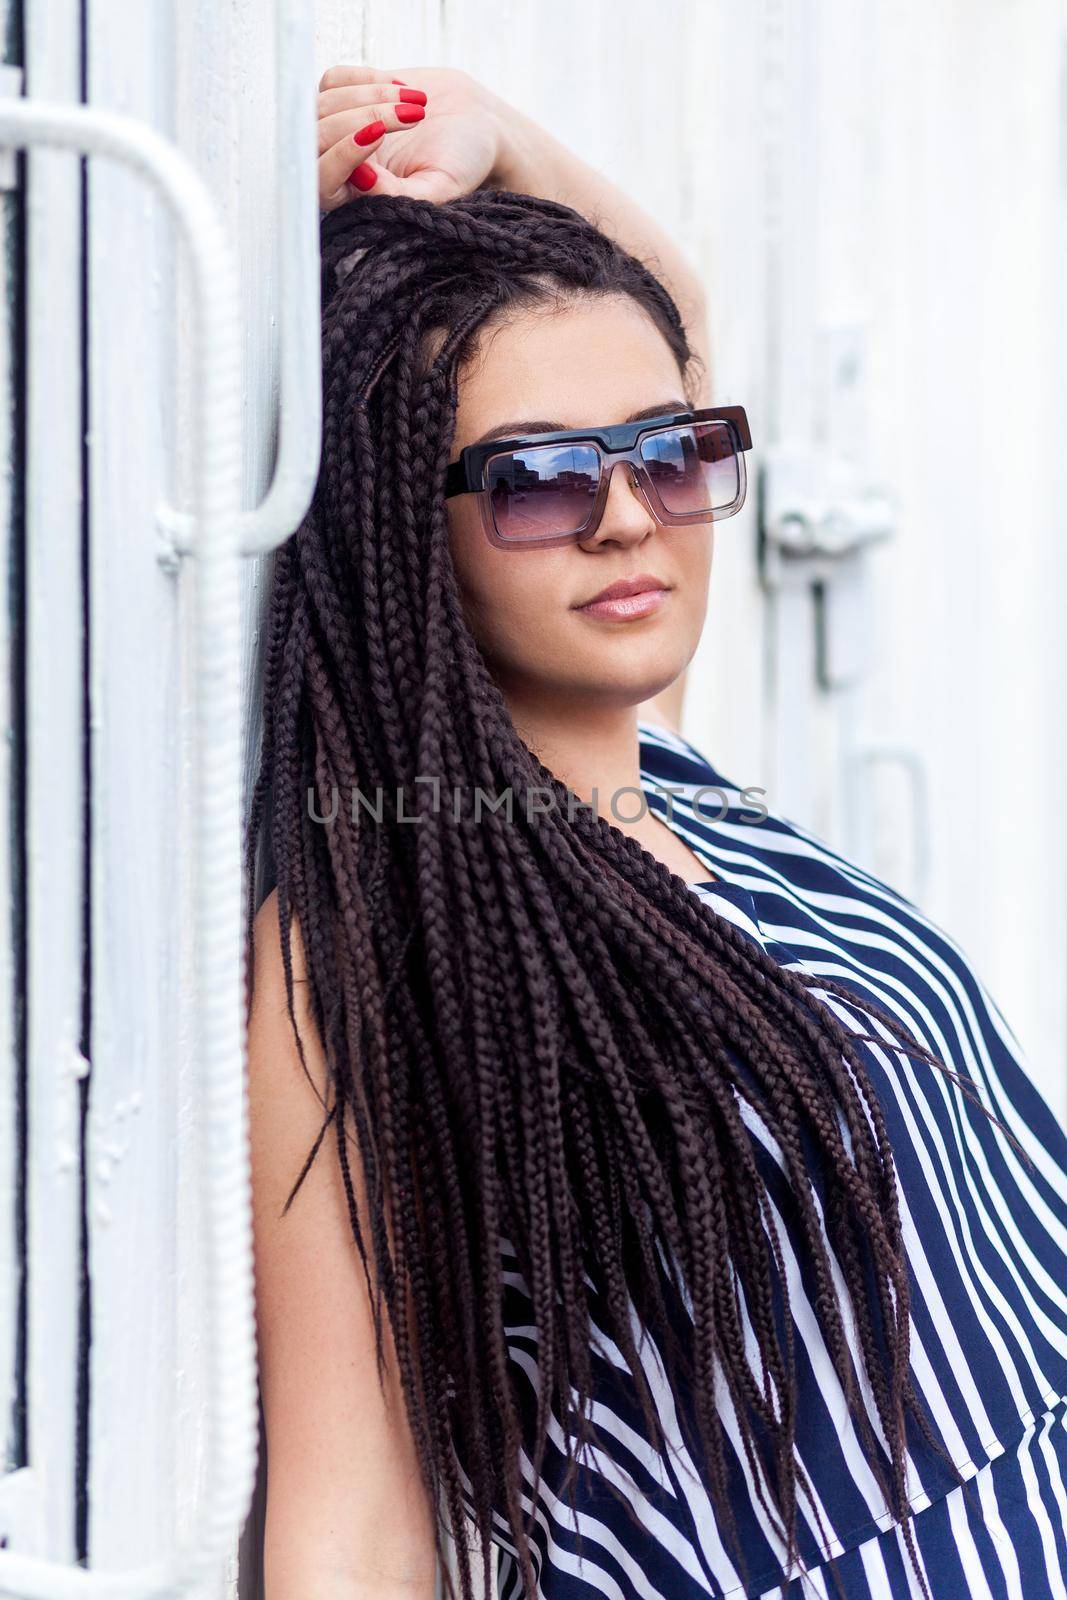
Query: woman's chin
x=608 y=694
x=637 y=679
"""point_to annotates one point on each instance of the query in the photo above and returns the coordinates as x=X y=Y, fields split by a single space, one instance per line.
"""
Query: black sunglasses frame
x=620 y=441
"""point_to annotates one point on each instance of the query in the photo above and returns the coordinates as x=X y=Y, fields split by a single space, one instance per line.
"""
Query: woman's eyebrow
x=504 y=430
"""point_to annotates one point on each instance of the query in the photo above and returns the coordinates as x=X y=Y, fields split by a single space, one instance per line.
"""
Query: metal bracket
x=10 y=89
x=816 y=512
x=819 y=521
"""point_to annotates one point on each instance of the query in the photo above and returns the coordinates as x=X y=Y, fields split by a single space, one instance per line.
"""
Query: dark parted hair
x=534 y=1030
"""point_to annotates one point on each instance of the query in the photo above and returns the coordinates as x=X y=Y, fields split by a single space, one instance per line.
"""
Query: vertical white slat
x=788 y=172
x=54 y=787
x=1049 y=1031
x=11 y=938
x=224 y=122
x=137 y=849
x=717 y=161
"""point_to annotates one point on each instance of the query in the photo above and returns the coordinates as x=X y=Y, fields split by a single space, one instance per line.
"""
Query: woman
x=719 y=1228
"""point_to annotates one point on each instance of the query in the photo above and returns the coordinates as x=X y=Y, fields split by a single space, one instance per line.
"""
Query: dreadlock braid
x=534 y=1030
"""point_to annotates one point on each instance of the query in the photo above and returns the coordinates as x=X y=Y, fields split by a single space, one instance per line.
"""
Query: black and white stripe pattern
x=987 y=1243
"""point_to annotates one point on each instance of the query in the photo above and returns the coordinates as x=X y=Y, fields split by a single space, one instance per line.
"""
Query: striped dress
x=986 y=1236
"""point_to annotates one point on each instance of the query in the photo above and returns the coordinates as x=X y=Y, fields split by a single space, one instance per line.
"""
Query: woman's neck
x=588 y=747
x=597 y=749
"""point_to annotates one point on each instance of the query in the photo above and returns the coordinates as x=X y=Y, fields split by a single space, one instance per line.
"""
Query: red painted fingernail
x=414 y=97
x=410 y=113
x=364 y=177
x=367 y=135
x=396 y=80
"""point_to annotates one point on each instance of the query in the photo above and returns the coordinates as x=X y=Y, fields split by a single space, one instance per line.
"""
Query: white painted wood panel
x=12 y=1011
x=54 y=800
x=969 y=410
x=139 y=1142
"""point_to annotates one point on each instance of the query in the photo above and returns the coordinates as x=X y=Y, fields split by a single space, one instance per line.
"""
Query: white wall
x=968 y=268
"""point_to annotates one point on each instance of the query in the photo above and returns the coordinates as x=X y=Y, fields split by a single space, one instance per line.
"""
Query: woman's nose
x=627 y=514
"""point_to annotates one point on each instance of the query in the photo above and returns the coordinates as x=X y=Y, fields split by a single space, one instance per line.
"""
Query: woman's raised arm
x=531 y=160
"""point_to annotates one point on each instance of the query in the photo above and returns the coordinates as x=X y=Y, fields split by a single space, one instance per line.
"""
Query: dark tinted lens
x=545 y=491
x=693 y=467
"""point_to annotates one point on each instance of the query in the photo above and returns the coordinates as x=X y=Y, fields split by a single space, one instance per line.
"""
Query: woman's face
x=593 y=362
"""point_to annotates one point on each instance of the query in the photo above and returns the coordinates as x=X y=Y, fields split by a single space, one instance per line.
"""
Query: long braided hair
x=534 y=1029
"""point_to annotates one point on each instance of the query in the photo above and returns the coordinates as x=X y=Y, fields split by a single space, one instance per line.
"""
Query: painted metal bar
x=297 y=267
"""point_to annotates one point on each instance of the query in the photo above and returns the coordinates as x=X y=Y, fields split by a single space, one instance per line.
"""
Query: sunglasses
x=551 y=488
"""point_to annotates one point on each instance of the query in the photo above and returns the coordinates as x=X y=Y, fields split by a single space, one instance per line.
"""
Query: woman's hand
x=471 y=138
x=450 y=150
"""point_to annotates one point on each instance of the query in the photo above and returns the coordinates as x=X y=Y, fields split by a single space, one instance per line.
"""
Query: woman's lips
x=624 y=607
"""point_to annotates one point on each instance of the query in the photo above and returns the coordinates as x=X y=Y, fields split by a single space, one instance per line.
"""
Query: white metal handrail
x=232 y=1439
x=296 y=256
